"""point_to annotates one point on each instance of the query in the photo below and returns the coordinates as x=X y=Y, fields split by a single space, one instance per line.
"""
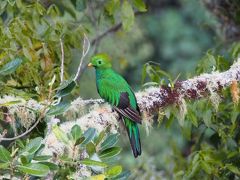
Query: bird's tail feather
x=134 y=137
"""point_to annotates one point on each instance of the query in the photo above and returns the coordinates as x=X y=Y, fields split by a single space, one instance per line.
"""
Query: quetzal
x=114 y=89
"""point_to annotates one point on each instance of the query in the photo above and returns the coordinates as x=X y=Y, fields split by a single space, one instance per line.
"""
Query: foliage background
x=182 y=37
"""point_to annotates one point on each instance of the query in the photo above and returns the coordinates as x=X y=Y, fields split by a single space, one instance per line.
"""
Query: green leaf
x=110 y=152
x=233 y=168
x=127 y=15
x=110 y=141
x=89 y=134
x=90 y=162
x=100 y=137
x=9 y=103
x=187 y=129
x=207 y=63
x=35 y=169
x=53 y=11
x=60 y=134
x=191 y=115
x=76 y=132
x=3 y=6
x=66 y=88
x=26 y=51
x=42 y=158
x=140 y=5
x=41 y=10
x=24 y=160
x=114 y=171
x=51 y=165
x=20 y=143
x=91 y=149
x=11 y=2
x=124 y=175
x=206 y=167
x=4 y=154
x=79 y=141
x=10 y=67
x=207 y=117
x=33 y=145
x=4 y=165
x=67 y=160
x=58 y=109
x=111 y=6
x=194 y=170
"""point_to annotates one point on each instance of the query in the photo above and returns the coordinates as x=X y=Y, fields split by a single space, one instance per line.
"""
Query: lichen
x=99 y=117
x=182 y=110
x=20 y=110
x=214 y=96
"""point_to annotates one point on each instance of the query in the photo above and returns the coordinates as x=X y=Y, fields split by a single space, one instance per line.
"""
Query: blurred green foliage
x=36 y=36
x=168 y=39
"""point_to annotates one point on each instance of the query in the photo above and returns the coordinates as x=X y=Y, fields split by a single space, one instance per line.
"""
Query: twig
x=62 y=60
x=86 y=47
x=21 y=135
x=62 y=68
x=110 y=30
x=96 y=41
x=29 y=130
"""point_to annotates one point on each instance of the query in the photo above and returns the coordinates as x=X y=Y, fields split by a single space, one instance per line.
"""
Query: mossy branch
x=150 y=101
x=153 y=98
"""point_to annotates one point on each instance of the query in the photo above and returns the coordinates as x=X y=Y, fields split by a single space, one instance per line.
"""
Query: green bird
x=114 y=89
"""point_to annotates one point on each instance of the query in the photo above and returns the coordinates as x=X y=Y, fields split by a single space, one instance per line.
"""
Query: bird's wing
x=118 y=94
x=125 y=109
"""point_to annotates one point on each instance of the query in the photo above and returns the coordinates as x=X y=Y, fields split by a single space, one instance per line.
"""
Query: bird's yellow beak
x=90 y=65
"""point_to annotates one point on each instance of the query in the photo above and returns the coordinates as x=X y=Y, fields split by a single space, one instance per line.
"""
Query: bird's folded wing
x=125 y=109
x=117 y=95
x=130 y=113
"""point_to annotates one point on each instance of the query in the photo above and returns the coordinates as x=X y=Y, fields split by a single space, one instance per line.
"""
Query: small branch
x=86 y=47
x=97 y=39
x=62 y=68
x=110 y=30
x=62 y=60
x=21 y=135
x=29 y=130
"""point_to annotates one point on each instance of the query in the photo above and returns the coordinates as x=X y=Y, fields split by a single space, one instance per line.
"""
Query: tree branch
x=206 y=84
x=150 y=101
x=42 y=114
x=153 y=98
x=110 y=30
x=86 y=47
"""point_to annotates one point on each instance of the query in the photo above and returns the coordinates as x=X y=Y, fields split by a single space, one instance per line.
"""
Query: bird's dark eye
x=99 y=62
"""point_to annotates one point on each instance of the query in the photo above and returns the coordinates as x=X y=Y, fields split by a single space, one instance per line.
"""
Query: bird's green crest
x=101 y=61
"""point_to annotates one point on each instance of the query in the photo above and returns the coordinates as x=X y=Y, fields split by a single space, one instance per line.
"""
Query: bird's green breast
x=110 y=85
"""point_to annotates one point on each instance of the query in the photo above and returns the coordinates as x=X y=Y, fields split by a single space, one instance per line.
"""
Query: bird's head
x=101 y=61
